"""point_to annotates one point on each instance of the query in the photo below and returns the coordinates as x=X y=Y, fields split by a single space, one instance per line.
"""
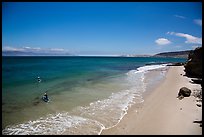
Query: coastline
x=162 y=112
x=158 y=111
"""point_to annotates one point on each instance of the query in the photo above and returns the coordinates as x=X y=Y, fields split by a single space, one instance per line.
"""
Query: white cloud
x=37 y=48
x=34 y=50
x=27 y=47
x=189 y=38
x=30 y=48
x=162 y=41
x=198 y=22
x=7 y=48
x=57 y=49
x=171 y=33
x=181 y=17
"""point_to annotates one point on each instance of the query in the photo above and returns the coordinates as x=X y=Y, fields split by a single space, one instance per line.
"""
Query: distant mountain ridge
x=175 y=54
x=21 y=53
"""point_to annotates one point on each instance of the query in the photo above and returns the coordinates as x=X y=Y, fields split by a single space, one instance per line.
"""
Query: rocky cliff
x=193 y=66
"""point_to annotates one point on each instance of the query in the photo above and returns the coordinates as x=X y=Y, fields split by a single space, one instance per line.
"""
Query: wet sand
x=162 y=113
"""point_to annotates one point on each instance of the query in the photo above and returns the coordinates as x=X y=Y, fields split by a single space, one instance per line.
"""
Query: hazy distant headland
x=176 y=54
x=21 y=53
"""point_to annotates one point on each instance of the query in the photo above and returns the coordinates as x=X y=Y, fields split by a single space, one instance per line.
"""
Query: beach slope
x=162 y=113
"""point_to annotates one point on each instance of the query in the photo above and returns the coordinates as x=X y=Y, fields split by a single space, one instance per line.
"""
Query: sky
x=101 y=28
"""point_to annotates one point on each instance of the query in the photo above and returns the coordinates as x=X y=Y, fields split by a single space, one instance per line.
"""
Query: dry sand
x=162 y=113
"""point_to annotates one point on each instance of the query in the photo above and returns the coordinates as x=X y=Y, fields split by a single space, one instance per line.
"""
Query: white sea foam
x=92 y=119
x=110 y=111
x=55 y=124
x=150 y=67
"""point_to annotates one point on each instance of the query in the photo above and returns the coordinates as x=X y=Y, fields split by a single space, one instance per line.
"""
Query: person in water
x=45 y=96
x=39 y=79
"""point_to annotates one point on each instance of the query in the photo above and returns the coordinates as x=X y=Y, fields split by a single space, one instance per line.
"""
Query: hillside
x=176 y=54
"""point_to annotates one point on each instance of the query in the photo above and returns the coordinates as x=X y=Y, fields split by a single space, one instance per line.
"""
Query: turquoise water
x=74 y=85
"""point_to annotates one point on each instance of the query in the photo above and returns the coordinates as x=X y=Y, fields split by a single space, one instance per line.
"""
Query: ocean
x=87 y=94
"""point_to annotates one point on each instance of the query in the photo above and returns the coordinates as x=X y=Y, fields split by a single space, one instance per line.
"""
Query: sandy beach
x=162 y=113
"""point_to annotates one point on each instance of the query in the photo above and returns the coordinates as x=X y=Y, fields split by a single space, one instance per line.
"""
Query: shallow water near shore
x=86 y=94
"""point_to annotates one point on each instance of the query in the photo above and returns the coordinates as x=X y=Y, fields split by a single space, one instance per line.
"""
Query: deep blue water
x=24 y=70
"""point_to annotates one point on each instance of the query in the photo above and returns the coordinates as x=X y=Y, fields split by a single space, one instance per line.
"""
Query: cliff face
x=193 y=67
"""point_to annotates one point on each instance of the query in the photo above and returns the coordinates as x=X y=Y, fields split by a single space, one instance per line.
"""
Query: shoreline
x=162 y=112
